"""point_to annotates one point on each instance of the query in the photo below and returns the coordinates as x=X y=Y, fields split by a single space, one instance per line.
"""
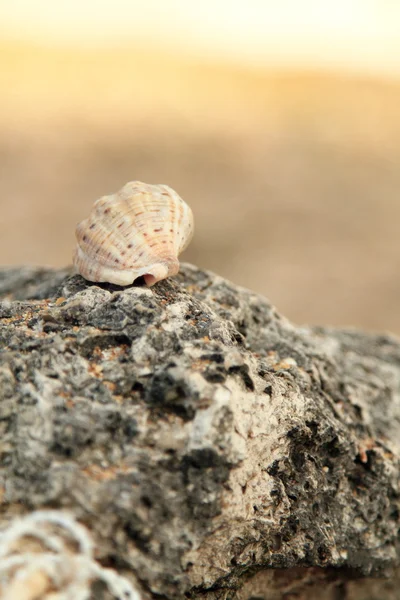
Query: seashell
x=138 y=231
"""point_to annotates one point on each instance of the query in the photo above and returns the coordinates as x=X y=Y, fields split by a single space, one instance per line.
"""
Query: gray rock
x=213 y=449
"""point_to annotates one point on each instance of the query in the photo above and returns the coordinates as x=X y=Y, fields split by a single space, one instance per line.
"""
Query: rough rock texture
x=213 y=449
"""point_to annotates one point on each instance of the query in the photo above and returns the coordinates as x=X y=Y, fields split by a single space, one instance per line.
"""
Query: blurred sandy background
x=279 y=125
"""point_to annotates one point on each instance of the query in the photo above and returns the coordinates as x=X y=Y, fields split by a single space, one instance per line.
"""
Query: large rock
x=213 y=449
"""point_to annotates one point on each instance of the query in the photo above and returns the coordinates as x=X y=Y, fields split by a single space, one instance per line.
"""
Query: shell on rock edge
x=138 y=231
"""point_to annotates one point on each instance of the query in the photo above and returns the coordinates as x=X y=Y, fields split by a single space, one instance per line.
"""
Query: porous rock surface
x=213 y=449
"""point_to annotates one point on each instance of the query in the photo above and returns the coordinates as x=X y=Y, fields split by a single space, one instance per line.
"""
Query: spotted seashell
x=139 y=231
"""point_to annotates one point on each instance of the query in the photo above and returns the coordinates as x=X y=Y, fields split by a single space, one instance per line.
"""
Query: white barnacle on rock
x=138 y=231
x=47 y=555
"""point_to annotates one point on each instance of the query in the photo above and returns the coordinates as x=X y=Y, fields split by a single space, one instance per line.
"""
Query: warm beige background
x=293 y=175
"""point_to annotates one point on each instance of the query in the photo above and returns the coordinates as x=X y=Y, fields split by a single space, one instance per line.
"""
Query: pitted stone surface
x=200 y=436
